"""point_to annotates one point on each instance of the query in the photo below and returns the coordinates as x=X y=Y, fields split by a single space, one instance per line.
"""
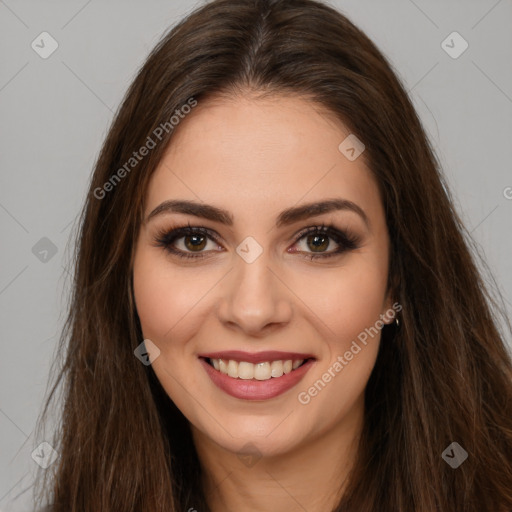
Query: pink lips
x=253 y=389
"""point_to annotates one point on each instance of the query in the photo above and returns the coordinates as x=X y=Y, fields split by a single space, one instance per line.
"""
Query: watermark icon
x=454 y=45
x=44 y=45
x=44 y=455
x=351 y=147
x=249 y=250
x=454 y=455
x=507 y=193
x=44 y=250
x=151 y=143
x=304 y=397
x=249 y=455
x=146 y=352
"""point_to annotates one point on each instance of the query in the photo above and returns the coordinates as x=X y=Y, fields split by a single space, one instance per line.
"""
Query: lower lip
x=252 y=389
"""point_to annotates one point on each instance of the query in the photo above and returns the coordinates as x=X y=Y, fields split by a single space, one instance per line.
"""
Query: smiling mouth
x=264 y=370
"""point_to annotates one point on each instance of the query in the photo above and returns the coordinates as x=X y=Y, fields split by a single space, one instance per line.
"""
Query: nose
x=254 y=299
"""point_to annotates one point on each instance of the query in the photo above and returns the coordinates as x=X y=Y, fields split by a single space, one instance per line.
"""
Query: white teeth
x=245 y=370
x=233 y=369
x=276 y=368
x=262 y=371
x=259 y=371
x=223 y=366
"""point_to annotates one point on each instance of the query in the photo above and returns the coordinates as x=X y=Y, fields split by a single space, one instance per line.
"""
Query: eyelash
x=345 y=240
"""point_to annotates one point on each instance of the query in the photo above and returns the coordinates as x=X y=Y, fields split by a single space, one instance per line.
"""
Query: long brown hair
x=444 y=375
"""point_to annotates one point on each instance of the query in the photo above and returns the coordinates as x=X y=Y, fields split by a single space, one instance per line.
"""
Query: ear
x=391 y=308
x=391 y=305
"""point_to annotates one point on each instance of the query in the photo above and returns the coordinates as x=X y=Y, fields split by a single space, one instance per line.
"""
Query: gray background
x=55 y=113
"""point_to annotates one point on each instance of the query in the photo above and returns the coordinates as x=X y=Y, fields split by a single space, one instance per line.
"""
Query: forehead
x=255 y=156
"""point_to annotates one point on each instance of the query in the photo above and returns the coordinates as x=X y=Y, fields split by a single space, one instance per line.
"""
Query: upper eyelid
x=209 y=231
x=184 y=230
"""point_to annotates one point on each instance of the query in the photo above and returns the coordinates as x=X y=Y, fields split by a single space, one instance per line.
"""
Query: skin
x=255 y=157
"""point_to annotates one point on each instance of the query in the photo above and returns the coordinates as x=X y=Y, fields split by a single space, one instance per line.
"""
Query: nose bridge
x=252 y=271
x=255 y=297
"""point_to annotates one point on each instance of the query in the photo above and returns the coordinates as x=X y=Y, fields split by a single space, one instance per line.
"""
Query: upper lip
x=256 y=357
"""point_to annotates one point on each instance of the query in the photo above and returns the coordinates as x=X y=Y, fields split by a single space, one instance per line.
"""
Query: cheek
x=350 y=300
x=162 y=297
x=348 y=304
x=350 y=307
x=359 y=301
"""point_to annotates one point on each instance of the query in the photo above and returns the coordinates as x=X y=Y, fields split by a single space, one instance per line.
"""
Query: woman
x=275 y=306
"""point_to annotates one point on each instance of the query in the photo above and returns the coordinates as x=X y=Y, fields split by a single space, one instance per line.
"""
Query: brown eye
x=195 y=239
x=193 y=242
x=318 y=240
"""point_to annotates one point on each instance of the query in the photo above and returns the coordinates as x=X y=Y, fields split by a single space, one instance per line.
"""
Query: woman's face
x=249 y=292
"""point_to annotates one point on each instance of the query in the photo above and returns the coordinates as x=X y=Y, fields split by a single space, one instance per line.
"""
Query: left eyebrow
x=304 y=211
x=285 y=218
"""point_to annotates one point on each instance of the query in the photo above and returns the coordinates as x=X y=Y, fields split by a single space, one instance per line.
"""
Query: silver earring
x=397 y=322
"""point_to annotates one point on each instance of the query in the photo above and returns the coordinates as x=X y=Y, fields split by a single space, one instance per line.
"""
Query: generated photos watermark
x=151 y=143
x=304 y=397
